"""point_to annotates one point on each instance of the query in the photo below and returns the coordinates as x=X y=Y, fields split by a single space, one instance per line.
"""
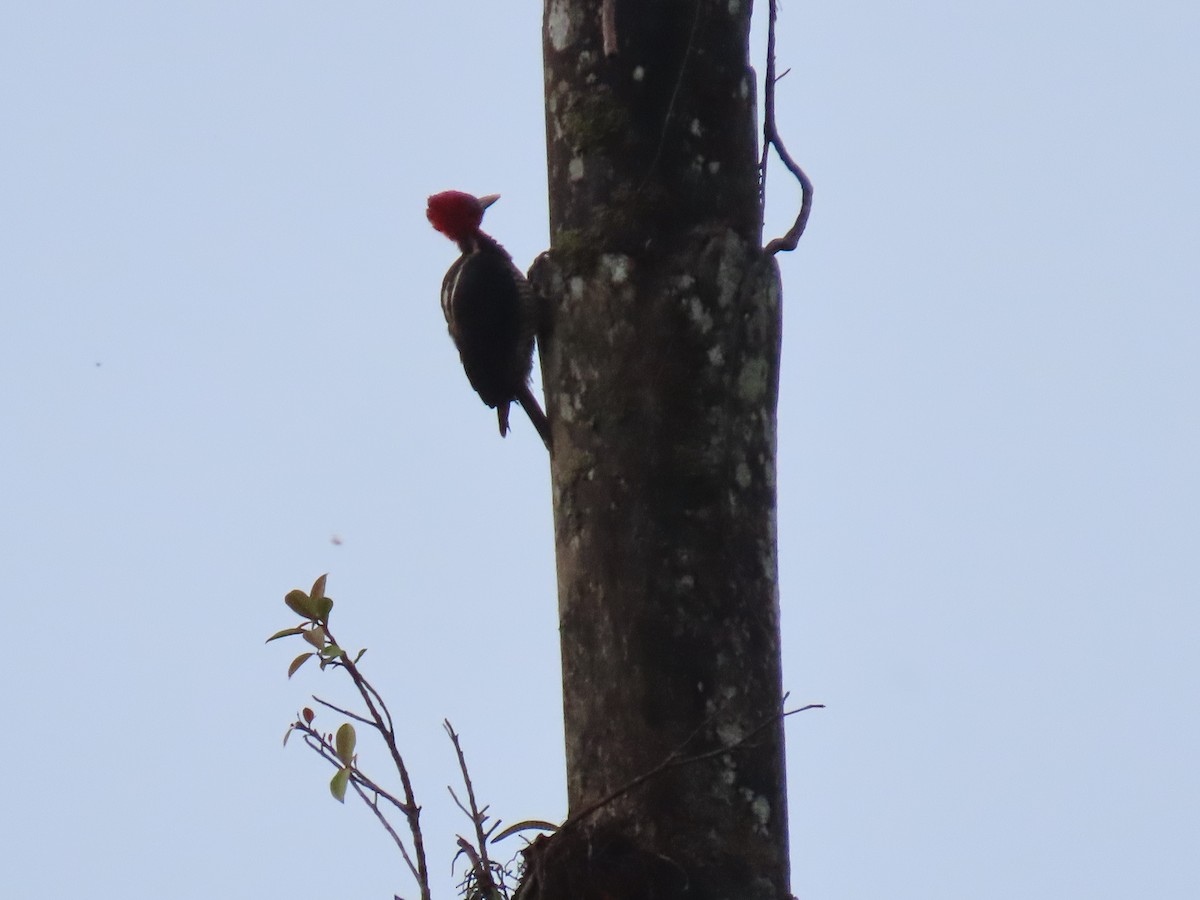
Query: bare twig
x=480 y=863
x=676 y=759
x=476 y=815
x=771 y=139
x=370 y=785
x=345 y=712
x=382 y=719
x=387 y=716
x=374 y=805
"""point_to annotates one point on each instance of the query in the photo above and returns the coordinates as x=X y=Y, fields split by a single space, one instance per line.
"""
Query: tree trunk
x=660 y=356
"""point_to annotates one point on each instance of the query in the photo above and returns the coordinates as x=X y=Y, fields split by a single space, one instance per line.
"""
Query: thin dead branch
x=483 y=868
x=677 y=759
x=383 y=721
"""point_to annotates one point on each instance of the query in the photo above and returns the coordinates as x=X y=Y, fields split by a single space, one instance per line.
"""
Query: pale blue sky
x=218 y=299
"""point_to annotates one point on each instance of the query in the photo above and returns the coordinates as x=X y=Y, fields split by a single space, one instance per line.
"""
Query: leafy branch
x=338 y=749
x=485 y=879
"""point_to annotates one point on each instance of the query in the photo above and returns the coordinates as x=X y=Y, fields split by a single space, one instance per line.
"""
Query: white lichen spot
x=752 y=381
x=734 y=7
x=714 y=167
x=716 y=356
x=729 y=734
x=769 y=567
x=552 y=105
x=615 y=267
x=558 y=24
x=699 y=315
x=575 y=168
x=744 y=89
x=576 y=287
x=762 y=810
x=729 y=269
x=743 y=476
x=687 y=582
x=639 y=73
x=695 y=128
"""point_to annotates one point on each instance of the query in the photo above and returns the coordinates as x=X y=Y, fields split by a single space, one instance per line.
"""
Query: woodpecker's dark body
x=492 y=317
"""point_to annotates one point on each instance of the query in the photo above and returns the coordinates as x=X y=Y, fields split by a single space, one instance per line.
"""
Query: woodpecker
x=489 y=308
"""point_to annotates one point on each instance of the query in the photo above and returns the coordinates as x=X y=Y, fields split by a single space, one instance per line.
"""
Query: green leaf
x=318 y=588
x=332 y=651
x=344 y=743
x=288 y=734
x=322 y=606
x=337 y=784
x=287 y=632
x=300 y=603
x=297 y=663
x=316 y=636
x=359 y=655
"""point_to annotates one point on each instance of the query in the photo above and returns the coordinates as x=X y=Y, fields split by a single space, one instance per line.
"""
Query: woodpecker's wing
x=487 y=304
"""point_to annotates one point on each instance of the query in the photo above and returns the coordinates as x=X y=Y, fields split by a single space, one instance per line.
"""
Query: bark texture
x=660 y=355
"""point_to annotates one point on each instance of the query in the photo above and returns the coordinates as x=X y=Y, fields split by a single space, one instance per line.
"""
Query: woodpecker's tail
x=536 y=416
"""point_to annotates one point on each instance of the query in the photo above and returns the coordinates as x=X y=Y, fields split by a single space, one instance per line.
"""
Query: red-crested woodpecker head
x=457 y=215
